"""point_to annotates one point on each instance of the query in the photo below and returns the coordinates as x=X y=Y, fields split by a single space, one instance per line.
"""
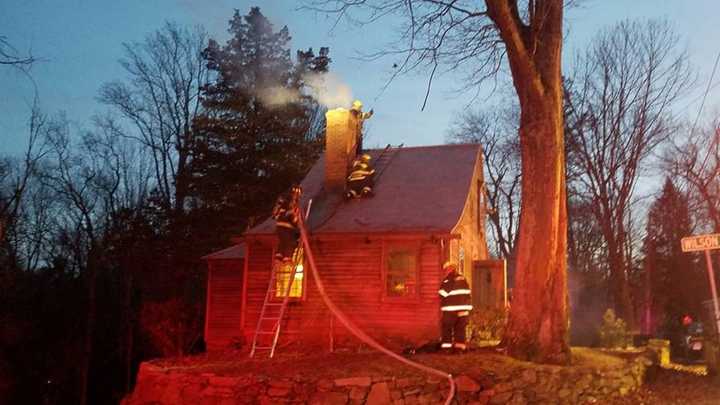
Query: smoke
x=326 y=88
x=329 y=90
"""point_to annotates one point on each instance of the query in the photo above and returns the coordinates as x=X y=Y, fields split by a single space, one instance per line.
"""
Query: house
x=380 y=258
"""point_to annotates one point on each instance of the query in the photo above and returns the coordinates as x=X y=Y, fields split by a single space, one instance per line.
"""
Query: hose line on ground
x=360 y=334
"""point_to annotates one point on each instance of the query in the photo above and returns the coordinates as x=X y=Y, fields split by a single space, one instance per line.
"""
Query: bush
x=613 y=331
x=172 y=326
x=486 y=324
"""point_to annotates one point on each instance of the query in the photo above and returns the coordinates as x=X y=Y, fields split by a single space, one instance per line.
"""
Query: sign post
x=706 y=243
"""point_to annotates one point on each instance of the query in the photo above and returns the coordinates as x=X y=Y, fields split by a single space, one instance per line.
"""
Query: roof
x=233 y=252
x=422 y=189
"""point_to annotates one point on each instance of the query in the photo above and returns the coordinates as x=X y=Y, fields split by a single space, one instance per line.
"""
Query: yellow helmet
x=365 y=158
x=449 y=265
x=357 y=105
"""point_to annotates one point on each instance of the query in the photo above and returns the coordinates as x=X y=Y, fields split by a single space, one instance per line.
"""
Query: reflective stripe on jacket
x=455 y=294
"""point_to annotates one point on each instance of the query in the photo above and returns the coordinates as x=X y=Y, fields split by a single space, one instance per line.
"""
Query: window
x=284 y=275
x=401 y=272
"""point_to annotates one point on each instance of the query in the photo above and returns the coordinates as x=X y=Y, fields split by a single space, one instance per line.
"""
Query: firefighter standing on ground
x=455 y=305
x=286 y=213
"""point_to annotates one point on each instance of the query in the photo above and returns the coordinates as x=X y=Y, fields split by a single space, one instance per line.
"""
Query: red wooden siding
x=351 y=270
x=224 y=305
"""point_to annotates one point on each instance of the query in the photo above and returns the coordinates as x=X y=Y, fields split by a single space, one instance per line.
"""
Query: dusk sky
x=79 y=43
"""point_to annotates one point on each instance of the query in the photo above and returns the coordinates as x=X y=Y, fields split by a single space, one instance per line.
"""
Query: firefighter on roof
x=285 y=213
x=360 y=182
x=455 y=305
x=357 y=111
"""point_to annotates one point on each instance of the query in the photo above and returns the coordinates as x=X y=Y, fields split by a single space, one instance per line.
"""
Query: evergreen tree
x=256 y=136
x=676 y=283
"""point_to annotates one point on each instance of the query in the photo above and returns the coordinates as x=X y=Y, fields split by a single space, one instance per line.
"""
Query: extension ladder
x=384 y=159
x=267 y=331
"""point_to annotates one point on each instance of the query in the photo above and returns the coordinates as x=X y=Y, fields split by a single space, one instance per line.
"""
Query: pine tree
x=676 y=284
x=259 y=131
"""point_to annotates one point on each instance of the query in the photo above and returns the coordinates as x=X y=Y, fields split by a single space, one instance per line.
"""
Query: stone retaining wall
x=538 y=384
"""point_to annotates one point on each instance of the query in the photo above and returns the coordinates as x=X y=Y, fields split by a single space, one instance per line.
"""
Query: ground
x=669 y=387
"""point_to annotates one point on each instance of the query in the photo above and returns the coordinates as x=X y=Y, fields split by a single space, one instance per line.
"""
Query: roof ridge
x=437 y=146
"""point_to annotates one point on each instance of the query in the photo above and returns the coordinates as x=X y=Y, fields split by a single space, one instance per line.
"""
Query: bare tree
x=696 y=161
x=620 y=103
x=15 y=174
x=476 y=37
x=160 y=100
x=10 y=57
x=494 y=129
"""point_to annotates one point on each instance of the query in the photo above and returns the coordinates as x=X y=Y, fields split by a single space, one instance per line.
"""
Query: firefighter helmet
x=357 y=105
x=450 y=266
x=365 y=158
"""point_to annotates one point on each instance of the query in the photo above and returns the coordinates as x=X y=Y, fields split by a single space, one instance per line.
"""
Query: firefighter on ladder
x=455 y=305
x=285 y=213
x=360 y=182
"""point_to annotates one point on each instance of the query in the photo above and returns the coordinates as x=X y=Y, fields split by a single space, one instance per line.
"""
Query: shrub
x=172 y=326
x=486 y=324
x=613 y=331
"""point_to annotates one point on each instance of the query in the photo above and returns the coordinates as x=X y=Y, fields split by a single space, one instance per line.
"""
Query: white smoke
x=278 y=96
x=327 y=88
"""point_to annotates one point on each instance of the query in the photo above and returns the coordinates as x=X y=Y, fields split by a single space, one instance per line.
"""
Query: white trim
x=460 y=292
x=443 y=293
x=446 y=345
x=457 y=308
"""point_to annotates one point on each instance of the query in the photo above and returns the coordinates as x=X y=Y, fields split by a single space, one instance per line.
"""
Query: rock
x=329 y=398
x=564 y=393
x=466 y=384
x=219 y=381
x=403 y=382
x=484 y=396
x=354 y=381
x=358 y=393
x=278 y=392
x=395 y=394
x=379 y=394
x=324 y=385
x=529 y=376
x=281 y=383
x=503 y=387
x=501 y=398
x=518 y=399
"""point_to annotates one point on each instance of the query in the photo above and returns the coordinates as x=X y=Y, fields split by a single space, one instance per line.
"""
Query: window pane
x=283 y=278
x=401 y=273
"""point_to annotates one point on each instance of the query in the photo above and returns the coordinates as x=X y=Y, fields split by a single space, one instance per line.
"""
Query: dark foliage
x=117 y=277
x=254 y=138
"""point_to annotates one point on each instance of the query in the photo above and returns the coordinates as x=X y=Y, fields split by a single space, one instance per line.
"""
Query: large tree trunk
x=539 y=324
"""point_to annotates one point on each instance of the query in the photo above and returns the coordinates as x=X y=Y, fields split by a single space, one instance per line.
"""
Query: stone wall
x=529 y=385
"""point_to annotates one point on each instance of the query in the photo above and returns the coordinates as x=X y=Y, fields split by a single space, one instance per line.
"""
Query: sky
x=79 y=43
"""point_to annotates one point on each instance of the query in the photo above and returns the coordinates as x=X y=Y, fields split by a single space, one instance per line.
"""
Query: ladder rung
x=269 y=318
x=265 y=333
x=263 y=347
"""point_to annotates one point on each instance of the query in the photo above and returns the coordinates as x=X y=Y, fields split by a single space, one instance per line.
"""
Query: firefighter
x=360 y=182
x=356 y=110
x=285 y=213
x=455 y=305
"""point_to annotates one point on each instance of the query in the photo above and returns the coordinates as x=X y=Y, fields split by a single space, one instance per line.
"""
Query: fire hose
x=360 y=334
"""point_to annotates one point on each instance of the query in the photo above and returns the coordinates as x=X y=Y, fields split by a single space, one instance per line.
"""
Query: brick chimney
x=341 y=137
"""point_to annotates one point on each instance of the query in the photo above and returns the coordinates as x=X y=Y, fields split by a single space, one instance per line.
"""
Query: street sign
x=706 y=243
x=700 y=242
